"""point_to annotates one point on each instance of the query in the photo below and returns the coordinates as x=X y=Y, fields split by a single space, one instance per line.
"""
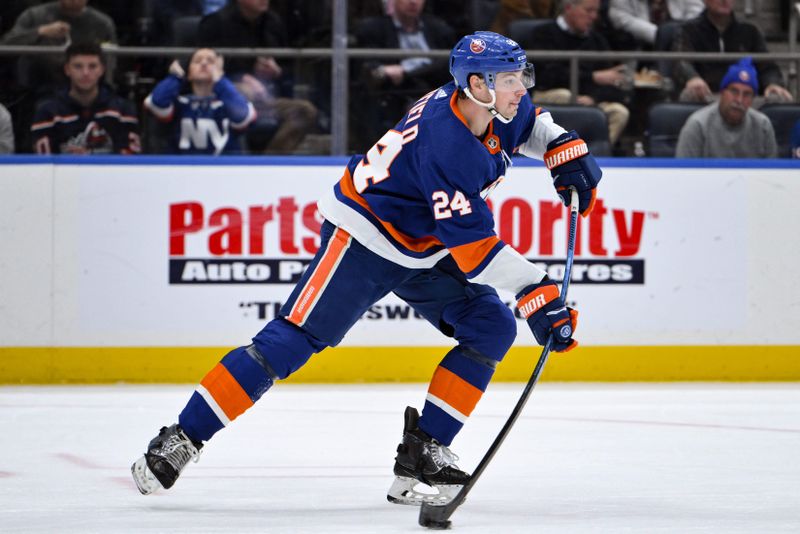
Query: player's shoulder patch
x=441 y=93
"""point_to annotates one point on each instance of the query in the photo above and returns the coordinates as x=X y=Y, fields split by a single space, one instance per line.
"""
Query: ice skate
x=166 y=456
x=425 y=470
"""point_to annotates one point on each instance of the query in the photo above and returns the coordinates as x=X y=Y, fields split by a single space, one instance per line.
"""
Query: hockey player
x=206 y=119
x=410 y=217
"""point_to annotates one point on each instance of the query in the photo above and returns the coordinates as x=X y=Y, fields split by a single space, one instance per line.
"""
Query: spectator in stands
x=716 y=29
x=251 y=23
x=10 y=10
x=53 y=24
x=730 y=128
x=511 y=10
x=642 y=18
x=603 y=84
x=393 y=86
x=207 y=118
x=86 y=117
x=6 y=132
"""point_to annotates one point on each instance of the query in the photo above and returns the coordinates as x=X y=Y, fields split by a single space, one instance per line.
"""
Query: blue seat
x=590 y=122
x=664 y=123
x=783 y=118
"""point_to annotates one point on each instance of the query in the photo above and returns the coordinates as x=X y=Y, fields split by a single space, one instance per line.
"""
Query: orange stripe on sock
x=310 y=294
x=226 y=391
x=454 y=390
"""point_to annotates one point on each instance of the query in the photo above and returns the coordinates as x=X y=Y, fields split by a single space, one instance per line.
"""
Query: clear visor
x=513 y=81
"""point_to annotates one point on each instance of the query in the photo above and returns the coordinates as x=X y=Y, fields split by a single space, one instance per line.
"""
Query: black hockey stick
x=438 y=516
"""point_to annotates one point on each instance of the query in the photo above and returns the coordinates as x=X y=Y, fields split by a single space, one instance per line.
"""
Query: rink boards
x=149 y=269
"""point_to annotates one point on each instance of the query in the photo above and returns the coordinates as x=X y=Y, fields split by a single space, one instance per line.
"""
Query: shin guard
x=455 y=389
x=230 y=388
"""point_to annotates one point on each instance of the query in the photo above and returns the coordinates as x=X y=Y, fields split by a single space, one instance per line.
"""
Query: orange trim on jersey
x=56 y=118
x=492 y=144
x=537 y=111
x=491 y=141
x=310 y=294
x=564 y=153
x=454 y=390
x=469 y=256
x=227 y=391
x=533 y=301
x=456 y=111
x=489 y=138
x=417 y=244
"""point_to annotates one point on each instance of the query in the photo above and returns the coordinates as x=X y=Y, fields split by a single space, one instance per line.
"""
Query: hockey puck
x=433 y=524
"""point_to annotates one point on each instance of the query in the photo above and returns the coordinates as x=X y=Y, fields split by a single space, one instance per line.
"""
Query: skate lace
x=442 y=456
x=178 y=450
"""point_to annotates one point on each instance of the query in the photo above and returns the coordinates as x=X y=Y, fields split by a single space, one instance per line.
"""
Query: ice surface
x=583 y=458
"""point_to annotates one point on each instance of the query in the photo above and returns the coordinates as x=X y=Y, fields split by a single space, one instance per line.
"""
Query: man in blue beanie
x=717 y=29
x=730 y=128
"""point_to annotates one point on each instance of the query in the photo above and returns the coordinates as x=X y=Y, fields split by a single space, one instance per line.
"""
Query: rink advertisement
x=168 y=254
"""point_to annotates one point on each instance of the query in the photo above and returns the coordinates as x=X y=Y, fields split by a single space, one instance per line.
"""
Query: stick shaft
x=429 y=513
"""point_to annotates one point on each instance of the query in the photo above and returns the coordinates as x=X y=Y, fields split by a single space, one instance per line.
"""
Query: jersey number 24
x=380 y=157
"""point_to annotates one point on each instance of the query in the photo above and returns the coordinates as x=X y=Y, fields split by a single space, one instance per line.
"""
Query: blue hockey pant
x=341 y=283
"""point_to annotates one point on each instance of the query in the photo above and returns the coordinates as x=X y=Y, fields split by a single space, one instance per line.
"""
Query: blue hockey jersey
x=201 y=125
x=419 y=193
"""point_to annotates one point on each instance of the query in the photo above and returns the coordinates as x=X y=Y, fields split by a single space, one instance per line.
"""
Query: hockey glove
x=571 y=165
x=545 y=311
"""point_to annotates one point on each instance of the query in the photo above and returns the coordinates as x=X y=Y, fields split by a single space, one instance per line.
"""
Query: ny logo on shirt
x=196 y=133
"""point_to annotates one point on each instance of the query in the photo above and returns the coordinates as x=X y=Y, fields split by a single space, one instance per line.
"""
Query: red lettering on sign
x=630 y=238
x=227 y=240
x=516 y=224
x=259 y=216
x=184 y=218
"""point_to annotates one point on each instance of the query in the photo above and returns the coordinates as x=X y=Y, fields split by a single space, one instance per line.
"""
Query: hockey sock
x=230 y=388
x=455 y=389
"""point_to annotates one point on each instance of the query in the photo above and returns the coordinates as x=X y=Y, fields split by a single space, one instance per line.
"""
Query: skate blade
x=406 y=490
x=144 y=478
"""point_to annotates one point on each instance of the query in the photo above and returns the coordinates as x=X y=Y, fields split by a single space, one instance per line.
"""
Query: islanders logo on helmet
x=487 y=54
x=477 y=46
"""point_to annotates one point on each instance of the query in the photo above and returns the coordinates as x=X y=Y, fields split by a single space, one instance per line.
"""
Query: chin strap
x=488 y=105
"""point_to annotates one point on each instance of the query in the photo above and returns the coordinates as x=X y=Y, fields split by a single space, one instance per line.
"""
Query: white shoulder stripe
x=509 y=270
x=544 y=130
x=365 y=233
